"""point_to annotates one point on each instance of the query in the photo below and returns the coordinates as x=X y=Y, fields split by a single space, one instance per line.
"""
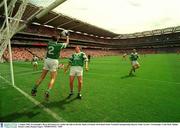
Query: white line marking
x=50 y=112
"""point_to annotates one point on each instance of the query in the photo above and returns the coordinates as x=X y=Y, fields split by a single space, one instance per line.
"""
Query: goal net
x=9 y=23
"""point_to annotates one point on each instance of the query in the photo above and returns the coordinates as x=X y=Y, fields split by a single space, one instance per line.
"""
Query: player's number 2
x=51 y=49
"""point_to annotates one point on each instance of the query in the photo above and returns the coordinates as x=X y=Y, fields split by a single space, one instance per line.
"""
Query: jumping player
x=50 y=64
x=133 y=58
x=76 y=62
x=35 y=62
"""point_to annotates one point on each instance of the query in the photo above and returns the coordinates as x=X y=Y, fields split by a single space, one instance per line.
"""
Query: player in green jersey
x=133 y=58
x=51 y=64
x=76 y=62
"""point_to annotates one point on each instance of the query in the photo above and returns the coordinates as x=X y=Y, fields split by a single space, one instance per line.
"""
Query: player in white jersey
x=35 y=62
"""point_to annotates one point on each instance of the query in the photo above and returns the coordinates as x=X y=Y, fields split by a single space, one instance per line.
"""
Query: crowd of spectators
x=18 y=54
x=26 y=53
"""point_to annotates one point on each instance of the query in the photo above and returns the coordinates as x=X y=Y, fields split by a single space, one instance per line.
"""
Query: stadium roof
x=121 y=16
x=57 y=20
x=61 y=21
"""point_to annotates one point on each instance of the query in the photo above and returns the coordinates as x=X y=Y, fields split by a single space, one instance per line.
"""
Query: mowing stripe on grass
x=47 y=110
x=139 y=78
x=157 y=80
x=34 y=72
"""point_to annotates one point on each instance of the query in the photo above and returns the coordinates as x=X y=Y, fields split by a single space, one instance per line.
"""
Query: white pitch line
x=37 y=103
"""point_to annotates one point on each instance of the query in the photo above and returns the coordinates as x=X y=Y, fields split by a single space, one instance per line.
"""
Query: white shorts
x=51 y=64
x=134 y=63
x=76 y=71
x=35 y=63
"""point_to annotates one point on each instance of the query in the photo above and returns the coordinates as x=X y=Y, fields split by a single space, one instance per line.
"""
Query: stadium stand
x=33 y=41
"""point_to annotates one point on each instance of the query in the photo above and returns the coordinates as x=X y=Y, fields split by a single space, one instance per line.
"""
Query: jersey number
x=50 y=50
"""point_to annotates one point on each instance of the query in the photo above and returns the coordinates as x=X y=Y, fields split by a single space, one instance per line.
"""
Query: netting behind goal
x=5 y=74
x=9 y=24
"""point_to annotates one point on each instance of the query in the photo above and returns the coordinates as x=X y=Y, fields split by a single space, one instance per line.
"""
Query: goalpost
x=9 y=42
x=8 y=29
x=11 y=25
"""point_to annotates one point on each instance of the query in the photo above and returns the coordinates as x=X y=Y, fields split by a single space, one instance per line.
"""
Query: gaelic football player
x=76 y=63
x=34 y=62
x=124 y=56
x=133 y=58
x=50 y=64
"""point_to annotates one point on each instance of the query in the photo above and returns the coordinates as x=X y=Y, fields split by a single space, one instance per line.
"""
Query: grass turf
x=109 y=95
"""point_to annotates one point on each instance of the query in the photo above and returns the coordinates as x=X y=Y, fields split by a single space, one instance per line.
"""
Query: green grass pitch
x=152 y=95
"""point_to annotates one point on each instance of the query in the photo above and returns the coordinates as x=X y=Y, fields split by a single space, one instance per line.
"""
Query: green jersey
x=78 y=59
x=53 y=50
x=134 y=56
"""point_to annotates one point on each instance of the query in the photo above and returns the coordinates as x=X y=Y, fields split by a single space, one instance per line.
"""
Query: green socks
x=35 y=87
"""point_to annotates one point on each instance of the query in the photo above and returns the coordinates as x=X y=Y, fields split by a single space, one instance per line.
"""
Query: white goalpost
x=9 y=42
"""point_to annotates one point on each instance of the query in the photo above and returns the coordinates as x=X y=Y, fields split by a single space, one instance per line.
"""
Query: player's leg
x=71 y=80
x=136 y=66
x=33 y=66
x=80 y=82
x=71 y=85
x=36 y=66
x=53 y=67
x=132 y=68
x=38 y=82
x=51 y=83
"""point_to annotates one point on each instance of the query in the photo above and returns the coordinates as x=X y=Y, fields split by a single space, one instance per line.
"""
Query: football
x=65 y=33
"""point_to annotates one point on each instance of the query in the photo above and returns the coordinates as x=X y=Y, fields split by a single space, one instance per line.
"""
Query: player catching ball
x=133 y=58
x=76 y=63
x=51 y=64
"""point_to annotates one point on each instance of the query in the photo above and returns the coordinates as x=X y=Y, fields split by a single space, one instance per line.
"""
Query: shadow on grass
x=128 y=76
x=14 y=116
x=59 y=104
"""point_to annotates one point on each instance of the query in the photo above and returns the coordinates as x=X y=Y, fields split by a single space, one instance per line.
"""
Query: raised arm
x=86 y=65
x=86 y=62
x=67 y=40
x=66 y=68
x=69 y=64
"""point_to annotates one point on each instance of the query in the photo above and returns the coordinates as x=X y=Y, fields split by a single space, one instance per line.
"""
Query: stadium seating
x=33 y=39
